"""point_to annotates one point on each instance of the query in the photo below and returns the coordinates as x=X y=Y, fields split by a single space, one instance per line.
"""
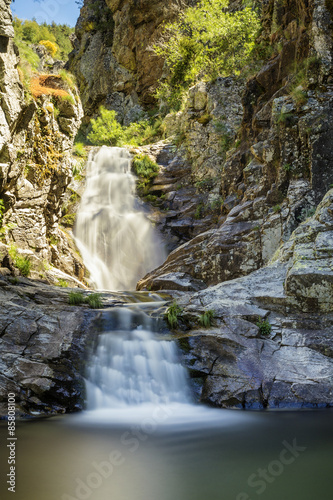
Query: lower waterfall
x=130 y=366
x=116 y=241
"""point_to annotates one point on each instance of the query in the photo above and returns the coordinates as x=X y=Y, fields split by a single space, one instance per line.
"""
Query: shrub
x=31 y=32
x=206 y=319
x=144 y=167
x=22 y=263
x=206 y=42
x=51 y=47
x=172 y=315
x=47 y=85
x=264 y=326
x=106 y=129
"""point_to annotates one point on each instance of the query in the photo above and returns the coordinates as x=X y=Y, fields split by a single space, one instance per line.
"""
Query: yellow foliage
x=51 y=47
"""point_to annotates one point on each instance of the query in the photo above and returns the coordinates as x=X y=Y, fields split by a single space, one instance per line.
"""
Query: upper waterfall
x=117 y=242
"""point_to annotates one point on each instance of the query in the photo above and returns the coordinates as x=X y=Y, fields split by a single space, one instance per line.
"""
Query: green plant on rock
x=264 y=326
x=285 y=117
x=23 y=264
x=106 y=130
x=173 y=313
x=68 y=78
x=287 y=167
x=94 y=300
x=62 y=283
x=146 y=169
x=206 y=318
x=80 y=150
x=217 y=204
x=199 y=211
x=68 y=220
x=276 y=209
x=76 y=298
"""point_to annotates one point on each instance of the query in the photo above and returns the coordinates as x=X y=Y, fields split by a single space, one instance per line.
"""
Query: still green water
x=199 y=454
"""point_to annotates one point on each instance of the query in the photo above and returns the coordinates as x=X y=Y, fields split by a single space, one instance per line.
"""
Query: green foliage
x=173 y=314
x=276 y=209
x=22 y=263
x=264 y=326
x=76 y=298
x=299 y=96
x=199 y=211
x=62 y=283
x=206 y=319
x=144 y=167
x=68 y=220
x=13 y=280
x=106 y=130
x=94 y=301
x=31 y=32
x=306 y=213
x=285 y=117
x=208 y=41
x=67 y=78
x=287 y=167
x=217 y=204
x=80 y=150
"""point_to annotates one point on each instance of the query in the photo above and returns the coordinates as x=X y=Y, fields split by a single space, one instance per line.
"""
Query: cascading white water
x=132 y=367
x=116 y=241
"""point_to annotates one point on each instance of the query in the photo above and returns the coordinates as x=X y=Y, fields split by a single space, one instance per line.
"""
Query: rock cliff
x=112 y=57
x=36 y=138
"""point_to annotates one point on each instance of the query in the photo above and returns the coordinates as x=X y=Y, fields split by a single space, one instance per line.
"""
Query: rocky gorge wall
x=270 y=172
x=36 y=139
x=113 y=40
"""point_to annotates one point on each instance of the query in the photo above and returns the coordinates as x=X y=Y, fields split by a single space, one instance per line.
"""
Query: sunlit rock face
x=113 y=40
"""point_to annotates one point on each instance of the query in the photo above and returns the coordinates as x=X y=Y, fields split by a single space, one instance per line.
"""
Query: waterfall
x=116 y=241
x=130 y=366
